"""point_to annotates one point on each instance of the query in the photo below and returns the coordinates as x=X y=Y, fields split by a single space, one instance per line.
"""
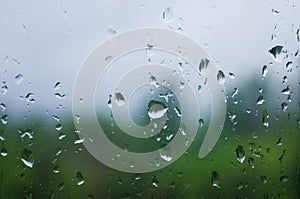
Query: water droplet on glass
x=215 y=179
x=260 y=100
x=27 y=158
x=108 y=59
x=279 y=142
x=111 y=32
x=166 y=157
x=155 y=182
x=251 y=162
x=56 y=169
x=276 y=51
x=221 y=77
x=168 y=15
x=61 y=186
x=240 y=153
x=153 y=81
x=265 y=119
x=3 y=152
x=2 y=107
x=119 y=99
x=201 y=122
x=284 y=80
x=286 y=91
x=231 y=75
x=264 y=71
x=58 y=127
x=203 y=65
x=80 y=179
x=284 y=106
x=156 y=110
x=284 y=178
x=57 y=85
x=4 y=88
x=19 y=78
x=263 y=179
x=60 y=96
x=4 y=119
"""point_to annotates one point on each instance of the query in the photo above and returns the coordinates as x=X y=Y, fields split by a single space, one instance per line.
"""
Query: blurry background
x=255 y=45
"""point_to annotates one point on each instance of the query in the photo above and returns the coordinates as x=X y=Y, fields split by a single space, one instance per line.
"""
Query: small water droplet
x=286 y=91
x=177 y=111
x=119 y=99
x=80 y=179
x=111 y=32
x=4 y=88
x=155 y=182
x=263 y=179
x=3 y=152
x=201 y=122
x=60 y=96
x=260 y=100
x=276 y=51
x=284 y=106
x=56 y=169
x=27 y=158
x=251 y=162
x=19 y=78
x=265 y=119
x=203 y=65
x=166 y=157
x=108 y=59
x=58 y=127
x=153 y=81
x=231 y=75
x=2 y=107
x=57 y=85
x=215 y=179
x=4 y=119
x=279 y=142
x=264 y=71
x=284 y=178
x=240 y=154
x=61 y=186
x=221 y=77
x=168 y=15
x=284 y=80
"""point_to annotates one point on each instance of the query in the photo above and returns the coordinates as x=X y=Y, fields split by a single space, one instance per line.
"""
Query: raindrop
x=251 y=162
x=177 y=111
x=61 y=186
x=264 y=71
x=3 y=152
x=284 y=178
x=201 y=122
x=111 y=32
x=56 y=169
x=57 y=85
x=284 y=80
x=27 y=158
x=284 y=106
x=263 y=179
x=2 y=107
x=260 y=100
x=221 y=77
x=203 y=64
x=240 y=153
x=215 y=179
x=276 y=51
x=166 y=157
x=286 y=91
x=265 y=119
x=298 y=35
x=60 y=96
x=19 y=78
x=153 y=81
x=279 y=142
x=58 y=127
x=168 y=15
x=108 y=59
x=4 y=88
x=119 y=99
x=155 y=182
x=4 y=119
x=231 y=75
x=80 y=179
x=156 y=110
x=235 y=92
x=289 y=65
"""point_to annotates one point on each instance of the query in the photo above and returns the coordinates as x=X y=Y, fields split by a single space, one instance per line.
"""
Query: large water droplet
x=215 y=179
x=27 y=158
x=240 y=154
x=156 y=110
x=119 y=99
x=168 y=15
